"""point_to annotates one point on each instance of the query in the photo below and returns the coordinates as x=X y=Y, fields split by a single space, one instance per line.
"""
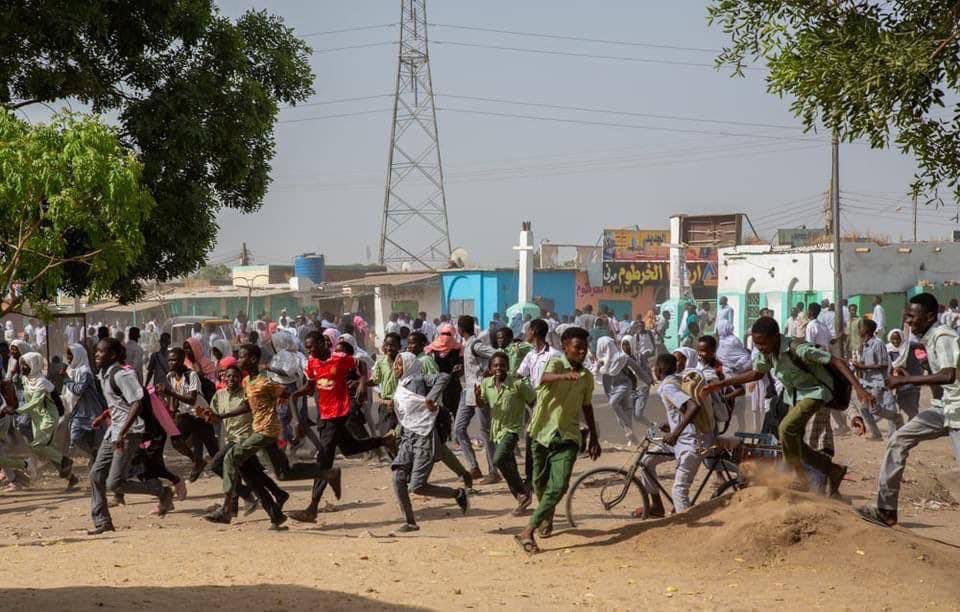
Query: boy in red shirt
x=327 y=375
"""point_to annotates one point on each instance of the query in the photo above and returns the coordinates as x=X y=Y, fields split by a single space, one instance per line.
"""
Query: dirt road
x=762 y=548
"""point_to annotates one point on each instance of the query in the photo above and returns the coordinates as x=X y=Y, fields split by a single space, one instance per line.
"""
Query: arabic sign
x=636 y=245
x=629 y=278
x=647 y=245
x=632 y=277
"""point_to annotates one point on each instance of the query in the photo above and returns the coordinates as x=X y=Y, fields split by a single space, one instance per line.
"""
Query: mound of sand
x=776 y=528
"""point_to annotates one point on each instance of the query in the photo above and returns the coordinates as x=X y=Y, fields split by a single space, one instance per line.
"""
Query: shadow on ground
x=267 y=597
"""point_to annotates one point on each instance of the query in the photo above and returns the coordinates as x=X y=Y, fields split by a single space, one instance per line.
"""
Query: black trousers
x=198 y=430
x=334 y=434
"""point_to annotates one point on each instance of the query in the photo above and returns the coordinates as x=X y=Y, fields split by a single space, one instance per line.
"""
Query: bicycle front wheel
x=603 y=498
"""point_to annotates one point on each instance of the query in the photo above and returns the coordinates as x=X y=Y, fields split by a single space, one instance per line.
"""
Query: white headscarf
x=691 y=355
x=730 y=351
x=358 y=353
x=411 y=367
x=35 y=381
x=287 y=358
x=630 y=341
x=611 y=359
x=8 y=332
x=224 y=347
x=80 y=362
x=903 y=351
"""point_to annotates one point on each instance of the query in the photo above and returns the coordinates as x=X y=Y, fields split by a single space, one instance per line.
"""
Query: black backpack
x=207 y=388
x=839 y=386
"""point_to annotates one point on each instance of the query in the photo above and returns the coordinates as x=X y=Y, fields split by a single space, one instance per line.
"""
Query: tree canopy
x=71 y=207
x=195 y=94
x=886 y=71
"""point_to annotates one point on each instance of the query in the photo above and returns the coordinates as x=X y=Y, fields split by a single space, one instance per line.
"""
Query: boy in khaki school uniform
x=565 y=392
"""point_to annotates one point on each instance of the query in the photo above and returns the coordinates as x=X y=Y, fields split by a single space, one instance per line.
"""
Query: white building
x=764 y=276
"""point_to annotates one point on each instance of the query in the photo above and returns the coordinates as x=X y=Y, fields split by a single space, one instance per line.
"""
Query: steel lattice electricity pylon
x=414 y=230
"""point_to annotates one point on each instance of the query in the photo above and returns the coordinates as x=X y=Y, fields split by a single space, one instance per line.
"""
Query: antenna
x=414 y=229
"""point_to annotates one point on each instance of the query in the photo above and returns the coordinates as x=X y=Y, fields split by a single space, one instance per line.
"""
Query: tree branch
x=954 y=15
x=19 y=105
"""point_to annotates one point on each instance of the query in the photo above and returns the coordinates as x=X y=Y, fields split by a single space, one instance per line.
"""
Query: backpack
x=839 y=386
x=692 y=384
x=152 y=427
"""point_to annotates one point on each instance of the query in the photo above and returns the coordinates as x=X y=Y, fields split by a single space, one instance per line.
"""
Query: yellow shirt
x=262 y=395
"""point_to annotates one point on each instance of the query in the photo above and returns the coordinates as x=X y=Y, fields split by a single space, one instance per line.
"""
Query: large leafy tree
x=71 y=207
x=886 y=71
x=195 y=95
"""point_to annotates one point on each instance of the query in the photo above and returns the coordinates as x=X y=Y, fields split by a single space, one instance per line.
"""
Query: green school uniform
x=506 y=404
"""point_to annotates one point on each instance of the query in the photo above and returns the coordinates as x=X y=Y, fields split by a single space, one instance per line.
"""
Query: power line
x=620 y=58
x=337 y=116
x=588 y=109
x=356 y=29
x=626 y=125
x=577 y=38
x=348 y=47
x=335 y=101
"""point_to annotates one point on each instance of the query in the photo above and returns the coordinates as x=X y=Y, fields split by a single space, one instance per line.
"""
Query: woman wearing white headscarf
x=687 y=359
x=641 y=394
x=620 y=375
x=730 y=351
x=220 y=348
x=415 y=402
x=286 y=368
x=82 y=399
x=150 y=338
x=38 y=405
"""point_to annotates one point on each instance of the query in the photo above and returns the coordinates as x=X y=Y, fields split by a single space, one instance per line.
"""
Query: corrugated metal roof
x=393 y=280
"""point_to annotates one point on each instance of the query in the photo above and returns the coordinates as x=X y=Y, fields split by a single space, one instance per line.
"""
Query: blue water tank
x=310 y=265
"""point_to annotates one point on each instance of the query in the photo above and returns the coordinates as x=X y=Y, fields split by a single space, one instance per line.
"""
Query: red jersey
x=330 y=376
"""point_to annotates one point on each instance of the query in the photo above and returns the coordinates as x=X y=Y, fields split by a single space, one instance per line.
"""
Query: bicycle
x=604 y=490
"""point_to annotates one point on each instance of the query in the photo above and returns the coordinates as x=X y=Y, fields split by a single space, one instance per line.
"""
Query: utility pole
x=835 y=214
x=914 y=218
x=414 y=230
x=244 y=255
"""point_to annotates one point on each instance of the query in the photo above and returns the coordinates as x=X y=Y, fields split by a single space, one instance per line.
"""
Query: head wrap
x=445 y=341
x=80 y=362
x=691 y=357
x=411 y=367
x=611 y=358
x=206 y=364
x=730 y=351
x=35 y=381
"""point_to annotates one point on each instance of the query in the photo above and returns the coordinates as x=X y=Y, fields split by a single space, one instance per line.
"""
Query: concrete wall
x=493 y=291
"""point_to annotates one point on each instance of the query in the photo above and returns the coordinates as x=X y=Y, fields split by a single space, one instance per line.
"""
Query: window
x=461 y=307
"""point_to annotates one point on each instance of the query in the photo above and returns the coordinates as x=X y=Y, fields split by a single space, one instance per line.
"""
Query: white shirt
x=880 y=318
x=792 y=327
x=534 y=363
x=828 y=319
x=818 y=333
x=41 y=335
x=725 y=312
x=184 y=385
x=392 y=327
x=943 y=351
x=429 y=330
x=72 y=333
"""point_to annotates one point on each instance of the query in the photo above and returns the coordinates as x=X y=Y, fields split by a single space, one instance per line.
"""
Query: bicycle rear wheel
x=729 y=486
x=603 y=498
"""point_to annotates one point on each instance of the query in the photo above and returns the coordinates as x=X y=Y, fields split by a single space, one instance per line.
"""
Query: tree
x=196 y=96
x=885 y=71
x=218 y=272
x=71 y=207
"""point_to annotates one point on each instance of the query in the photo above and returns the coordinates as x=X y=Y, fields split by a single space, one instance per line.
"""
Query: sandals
x=875 y=516
x=546 y=530
x=645 y=515
x=529 y=546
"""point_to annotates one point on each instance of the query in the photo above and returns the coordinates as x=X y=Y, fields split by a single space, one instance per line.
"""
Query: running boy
x=801 y=369
x=872 y=367
x=507 y=397
x=941 y=420
x=565 y=392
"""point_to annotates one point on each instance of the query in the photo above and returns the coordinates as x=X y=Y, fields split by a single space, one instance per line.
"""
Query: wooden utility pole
x=244 y=255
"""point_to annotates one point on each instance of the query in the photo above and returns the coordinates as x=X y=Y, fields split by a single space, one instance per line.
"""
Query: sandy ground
x=761 y=548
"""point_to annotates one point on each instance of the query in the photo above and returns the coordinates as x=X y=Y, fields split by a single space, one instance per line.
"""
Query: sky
x=717 y=144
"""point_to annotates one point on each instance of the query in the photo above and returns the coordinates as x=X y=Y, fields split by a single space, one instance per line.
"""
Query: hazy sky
x=570 y=179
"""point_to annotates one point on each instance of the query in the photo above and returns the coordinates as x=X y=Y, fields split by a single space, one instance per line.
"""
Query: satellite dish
x=458 y=258
x=406 y=266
